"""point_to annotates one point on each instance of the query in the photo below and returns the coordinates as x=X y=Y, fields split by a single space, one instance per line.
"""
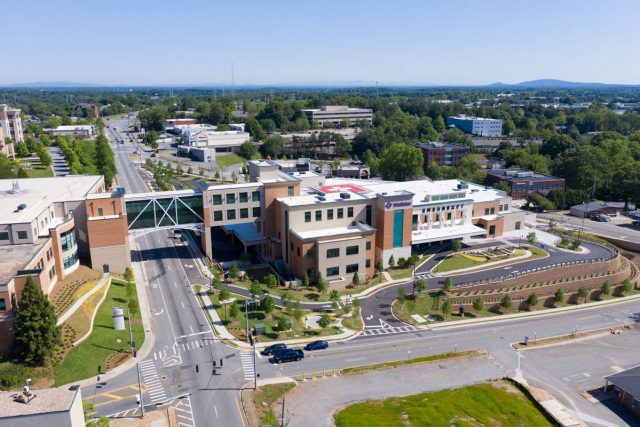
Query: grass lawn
x=106 y=347
x=488 y=404
x=354 y=322
x=226 y=160
x=265 y=397
x=428 y=304
x=458 y=261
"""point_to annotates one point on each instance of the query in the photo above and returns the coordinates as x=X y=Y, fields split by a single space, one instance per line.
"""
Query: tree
x=539 y=203
x=234 y=310
x=282 y=324
x=421 y=285
x=321 y=284
x=434 y=171
x=605 y=289
x=402 y=296
x=305 y=280
x=224 y=294
x=324 y=321
x=234 y=271
x=506 y=302
x=625 y=287
x=532 y=300
x=128 y=274
x=272 y=146
x=286 y=298
x=447 y=285
x=255 y=289
x=445 y=308
x=334 y=295
x=272 y=281
x=267 y=304
x=456 y=245
x=216 y=281
x=401 y=162
x=502 y=186
x=35 y=331
x=392 y=261
x=531 y=237
x=575 y=244
x=558 y=296
x=21 y=149
x=478 y=304
x=355 y=280
x=378 y=266
x=248 y=149
x=583 y=293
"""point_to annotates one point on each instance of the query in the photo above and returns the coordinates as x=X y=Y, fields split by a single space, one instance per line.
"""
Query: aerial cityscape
x=341 y=214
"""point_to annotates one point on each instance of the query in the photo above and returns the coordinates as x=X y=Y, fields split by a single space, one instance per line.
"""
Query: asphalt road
x=617 y=228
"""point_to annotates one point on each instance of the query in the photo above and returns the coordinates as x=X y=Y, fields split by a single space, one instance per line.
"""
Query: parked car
x=635 y=223
x=273 y=349
x=601 y=218
x=316 y=345
x=287 y=355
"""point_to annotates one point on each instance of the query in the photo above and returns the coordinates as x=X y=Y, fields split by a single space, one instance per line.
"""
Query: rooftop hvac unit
x=345 y=195
x=524 y=174
x=463 y=185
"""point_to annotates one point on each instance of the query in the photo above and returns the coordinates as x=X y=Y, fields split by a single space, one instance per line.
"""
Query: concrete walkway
x=76 y=305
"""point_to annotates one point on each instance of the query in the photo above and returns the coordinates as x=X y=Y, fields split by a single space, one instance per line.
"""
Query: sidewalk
x=67 y=314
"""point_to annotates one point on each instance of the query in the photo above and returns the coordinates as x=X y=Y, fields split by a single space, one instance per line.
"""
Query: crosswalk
x=388 y=330
x=246 y=359
x=170 y=356
x=184 y=412
x=155 y=390
x=424 y=276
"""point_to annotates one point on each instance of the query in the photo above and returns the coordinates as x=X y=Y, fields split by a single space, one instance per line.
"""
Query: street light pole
x=135 y=354
x=246 y=319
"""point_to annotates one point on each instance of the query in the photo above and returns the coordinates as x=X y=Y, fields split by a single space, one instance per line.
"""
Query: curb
x=93 y=316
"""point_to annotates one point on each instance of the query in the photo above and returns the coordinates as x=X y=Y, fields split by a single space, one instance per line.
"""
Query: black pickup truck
x=288 y=355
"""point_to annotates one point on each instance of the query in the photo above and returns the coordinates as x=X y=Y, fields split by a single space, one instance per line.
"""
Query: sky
x=444 y=42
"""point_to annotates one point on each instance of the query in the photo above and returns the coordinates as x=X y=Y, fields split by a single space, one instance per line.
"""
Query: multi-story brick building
x=10 y=129
x=522 y=183
x=442 y=153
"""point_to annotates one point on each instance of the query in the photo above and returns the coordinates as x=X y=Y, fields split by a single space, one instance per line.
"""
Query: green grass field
x=226 y=160
x=90 y=357
x=491 y=404
x=456 y=262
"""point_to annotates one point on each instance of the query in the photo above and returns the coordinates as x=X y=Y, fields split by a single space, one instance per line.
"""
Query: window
x=244 y=197
x=493 y=211
x=340 y=213
x=231 y=199
x=217 y=215
x=333 y=253
x=290 y=191
x=217 y=199
x=398 y=227
x=350 y=212
x=318 y=215
x=448 y=215
x=329 y=214
x=22 y=235
x=367 y=263
x=255 y=196
x=310 y=254
x=368 y=245
x=70 y=260
x=3 y=304
x=298 y=250
x=352 y=250
x=244 y=213
x=352 y=268
x=231 y=214
x=307 y=216
x=256 y=212
x=333 y=271
x=368 y=215
x=486 y=211
x=100 y=212
x=68 y=240
x=492 y=230
x=4 y=235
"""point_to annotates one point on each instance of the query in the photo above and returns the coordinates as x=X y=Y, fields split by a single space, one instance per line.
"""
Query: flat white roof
x=39 y=193
x=333 y=232
x=71 y=127
x=314 y=199
x=45 y=401
x=446 y=233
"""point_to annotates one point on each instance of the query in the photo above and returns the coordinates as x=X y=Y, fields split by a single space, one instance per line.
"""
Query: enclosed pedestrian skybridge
x=164 y=210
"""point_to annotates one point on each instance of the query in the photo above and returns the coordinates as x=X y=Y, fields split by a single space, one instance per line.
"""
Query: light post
x=135 y=355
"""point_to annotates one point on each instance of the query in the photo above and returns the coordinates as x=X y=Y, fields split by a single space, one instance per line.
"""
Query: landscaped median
x=486 y=259
x=424 y=359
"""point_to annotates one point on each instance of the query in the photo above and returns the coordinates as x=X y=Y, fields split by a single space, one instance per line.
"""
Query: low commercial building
x=626 y=389
x=441 y=153
x=476 y=125
x=10 y=129
x=204 y=154
x=60 y=407
x=337 y=114
x=205 y=135
x=75 y=131
x=522 y=183
x=46 y=226
x=587 y=210
x=353 y=170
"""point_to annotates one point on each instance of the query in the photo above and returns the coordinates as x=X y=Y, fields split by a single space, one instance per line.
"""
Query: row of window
x=540 y=187
x=351 y=250
x=52 y=272
x=339 y=213
x=449 y=196
x=4 y=235
x=232 y=214
x=350 y=268
x=442 y=208
x=70 y=260
x=68 y=240
x=230 y=198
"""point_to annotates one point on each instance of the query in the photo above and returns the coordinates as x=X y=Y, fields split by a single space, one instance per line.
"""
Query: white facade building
x=337 y=114
x=476 y=125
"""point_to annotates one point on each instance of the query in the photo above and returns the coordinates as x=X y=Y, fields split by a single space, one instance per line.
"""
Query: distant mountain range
x=531 y=84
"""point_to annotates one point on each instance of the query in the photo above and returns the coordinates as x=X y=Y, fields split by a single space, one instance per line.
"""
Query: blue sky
x=282 y=41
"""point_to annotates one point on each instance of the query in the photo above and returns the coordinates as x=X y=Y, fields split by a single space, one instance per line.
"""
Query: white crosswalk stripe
x=152 y=381
x=388 y=330
x=184 y=412
x=246 y=359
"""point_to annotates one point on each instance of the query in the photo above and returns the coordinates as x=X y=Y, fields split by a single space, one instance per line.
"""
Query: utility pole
x=255 y=369
x=282 y=416
x=135 y=354
x=246 y=319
